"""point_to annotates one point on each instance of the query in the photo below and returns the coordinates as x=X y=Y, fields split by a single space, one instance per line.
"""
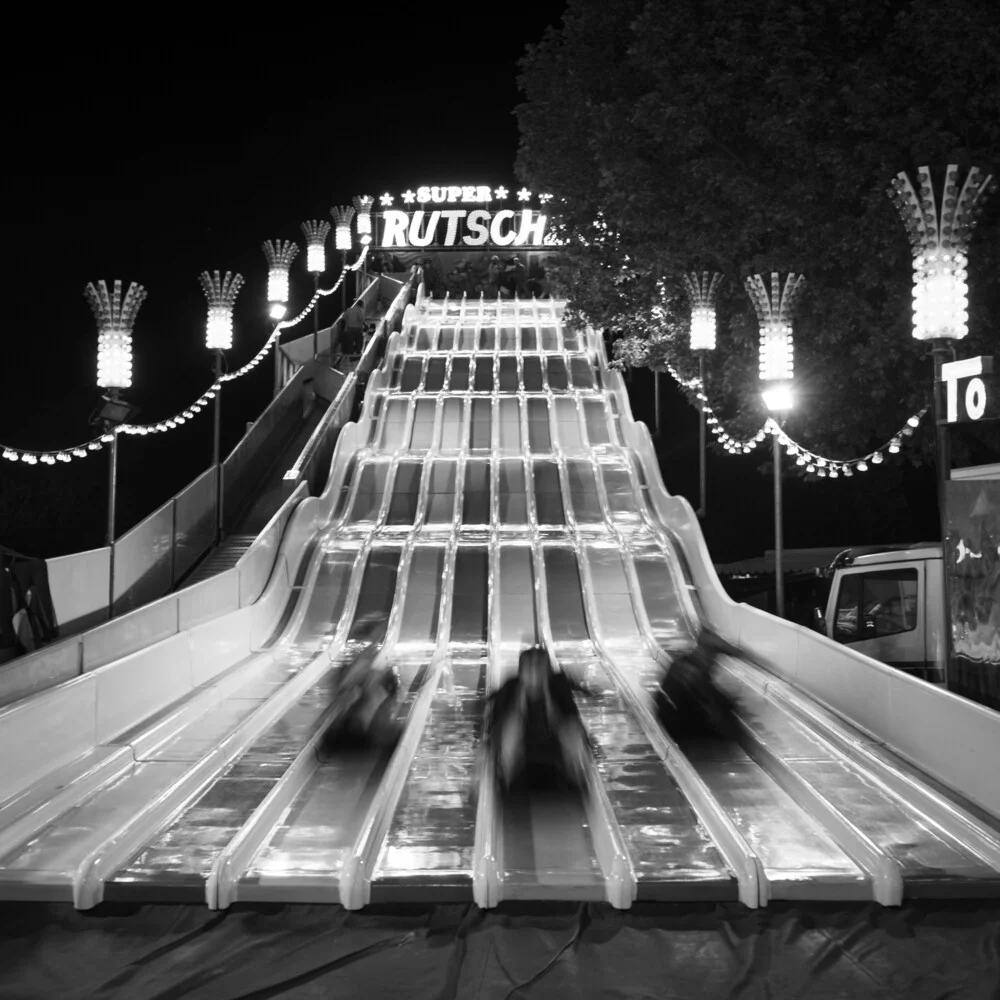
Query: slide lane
x=176 y=860
x=172 y=759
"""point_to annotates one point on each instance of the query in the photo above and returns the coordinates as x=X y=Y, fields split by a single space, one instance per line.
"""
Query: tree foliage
x=750 y=137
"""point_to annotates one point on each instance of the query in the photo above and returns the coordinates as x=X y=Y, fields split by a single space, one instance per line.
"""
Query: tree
x=749 y=137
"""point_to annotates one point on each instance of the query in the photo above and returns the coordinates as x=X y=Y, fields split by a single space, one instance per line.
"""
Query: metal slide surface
x=494 y=504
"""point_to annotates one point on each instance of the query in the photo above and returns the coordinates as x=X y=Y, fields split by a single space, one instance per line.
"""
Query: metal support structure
x=656 y=400
x=316 y=318
x=343 y=282
x=277 y=364
x=942 y=352
x=702 y=444
x=779 y=542
x=217 y=448
x=112 y=492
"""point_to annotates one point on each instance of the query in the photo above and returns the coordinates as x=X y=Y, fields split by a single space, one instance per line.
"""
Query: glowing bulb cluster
x=342 y=215
x=363 y=204
x=702 y=290
x=774 y=311
x=939 y=229
x=940 y=295
x=316 y=233
x=811 y=462
x=115 y=320
x=777 y=360
x=221 y=293
x=279 y=254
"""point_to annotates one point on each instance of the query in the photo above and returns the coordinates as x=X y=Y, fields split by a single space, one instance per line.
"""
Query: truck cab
x=889 y=605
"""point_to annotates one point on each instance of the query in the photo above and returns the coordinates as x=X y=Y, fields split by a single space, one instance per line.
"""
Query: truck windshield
x=877 y=604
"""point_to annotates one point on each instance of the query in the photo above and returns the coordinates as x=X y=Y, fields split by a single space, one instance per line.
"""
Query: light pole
x=774 y=311
x=363 y=204
x=279 y=254
x=316 y=234
x=221 y=293
x=702 y=290
x=342 y=215
x=115 y=321
x=939 y=230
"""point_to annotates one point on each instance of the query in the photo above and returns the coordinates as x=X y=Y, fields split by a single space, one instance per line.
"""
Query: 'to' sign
x=970 y=392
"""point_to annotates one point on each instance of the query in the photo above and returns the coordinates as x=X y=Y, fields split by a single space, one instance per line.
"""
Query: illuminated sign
x=459 y=227
x=970 y=391
x=422 y=225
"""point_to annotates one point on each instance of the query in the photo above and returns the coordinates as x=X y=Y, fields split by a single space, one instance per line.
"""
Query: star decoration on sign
x=524 y=194
x=500 y=193
x=386 y=200
x=409 y=197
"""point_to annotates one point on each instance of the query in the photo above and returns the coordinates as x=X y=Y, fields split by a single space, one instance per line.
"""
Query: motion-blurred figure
x=365 y=697
x=534 y=735
x=689 y=702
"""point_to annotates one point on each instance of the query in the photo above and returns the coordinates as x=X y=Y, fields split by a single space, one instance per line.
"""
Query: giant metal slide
x=495 y=492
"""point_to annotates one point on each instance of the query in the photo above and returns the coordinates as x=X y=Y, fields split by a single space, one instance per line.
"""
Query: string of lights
x=96 y=444
x=819 y=465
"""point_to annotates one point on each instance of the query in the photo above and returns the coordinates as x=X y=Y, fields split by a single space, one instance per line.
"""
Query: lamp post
x=363 y=204
x=279 y=254
x=221 y=293
x=774 y=311
x=702 y=290
x=115 y=320
x=939 y=232
x=342 y=215
x=316 y=234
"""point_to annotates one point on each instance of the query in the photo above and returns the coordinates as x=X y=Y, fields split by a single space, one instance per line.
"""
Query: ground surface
x=917 y=952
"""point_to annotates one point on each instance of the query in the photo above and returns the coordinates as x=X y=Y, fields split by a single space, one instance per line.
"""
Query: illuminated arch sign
x=970 y=390
x=461 y=221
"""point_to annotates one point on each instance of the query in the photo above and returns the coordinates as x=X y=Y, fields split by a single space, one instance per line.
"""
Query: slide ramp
x=494 y=493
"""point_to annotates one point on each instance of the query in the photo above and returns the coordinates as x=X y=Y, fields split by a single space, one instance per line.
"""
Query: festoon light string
x=86 y=448
x=821 y=466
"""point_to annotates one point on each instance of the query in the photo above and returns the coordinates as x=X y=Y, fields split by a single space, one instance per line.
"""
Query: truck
x=888 y=603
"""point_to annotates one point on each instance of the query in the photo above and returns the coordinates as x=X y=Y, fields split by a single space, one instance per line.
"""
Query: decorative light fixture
x=279 y=254
x=774 y=312
x=115 y=320
x=316 y=234
x=939 y=231
x=702 y=290
x=363 y=204
x=342 y=216
x=221 y=293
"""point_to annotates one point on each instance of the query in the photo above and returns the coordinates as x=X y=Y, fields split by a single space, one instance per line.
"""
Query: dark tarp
x=661 y=952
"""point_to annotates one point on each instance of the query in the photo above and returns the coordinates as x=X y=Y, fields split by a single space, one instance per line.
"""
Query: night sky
x=154 y=165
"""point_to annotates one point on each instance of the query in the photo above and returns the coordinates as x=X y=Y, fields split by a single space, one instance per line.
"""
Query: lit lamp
x=115 y=320
x=702 y=290
x=279 y=254
x=221 y=293
x=774 y=312
x=316 y=233
x=342 y=216
x=939 y=231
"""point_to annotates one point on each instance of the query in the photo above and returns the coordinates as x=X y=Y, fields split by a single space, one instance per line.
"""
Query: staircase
x=222 y=558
